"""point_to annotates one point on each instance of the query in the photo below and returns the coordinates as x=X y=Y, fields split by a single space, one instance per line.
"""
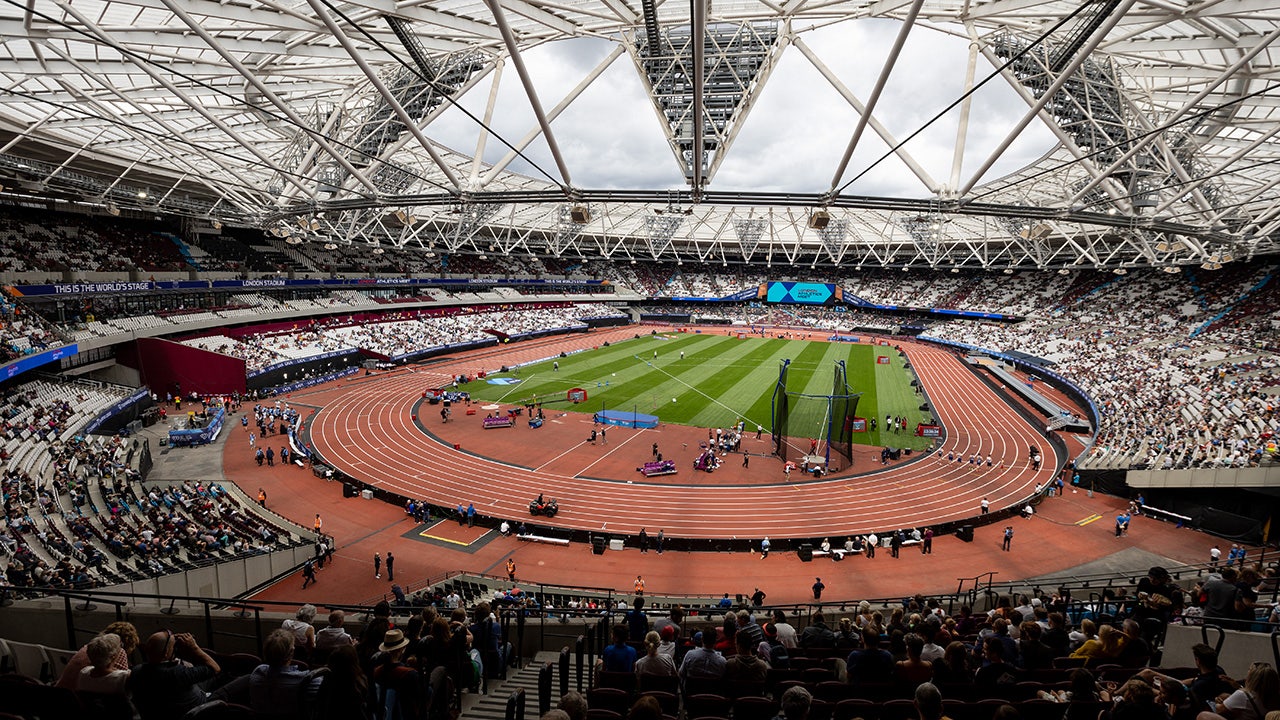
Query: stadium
x=478 y=324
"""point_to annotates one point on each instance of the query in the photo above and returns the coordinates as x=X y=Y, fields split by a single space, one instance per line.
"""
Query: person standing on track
x=1008 y=538
x=511 y=569
x=391 y=567
x=377 y=566
x=818 y=587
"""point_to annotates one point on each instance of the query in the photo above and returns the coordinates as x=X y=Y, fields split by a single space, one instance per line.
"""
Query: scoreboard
x=801 y=293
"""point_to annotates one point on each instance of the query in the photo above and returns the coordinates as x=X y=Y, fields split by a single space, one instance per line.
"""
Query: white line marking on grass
x=699 y=392
x=514 y=387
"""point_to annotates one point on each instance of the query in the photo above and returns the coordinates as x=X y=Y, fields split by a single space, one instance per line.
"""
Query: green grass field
x=720 y=380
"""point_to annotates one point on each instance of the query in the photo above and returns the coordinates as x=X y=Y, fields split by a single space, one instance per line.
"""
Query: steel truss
x=266 y=114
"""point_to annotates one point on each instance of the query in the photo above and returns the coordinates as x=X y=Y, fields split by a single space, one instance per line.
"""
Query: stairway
x=493 y=706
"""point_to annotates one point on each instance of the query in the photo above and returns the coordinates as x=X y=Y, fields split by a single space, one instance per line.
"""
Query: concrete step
x=493 y=705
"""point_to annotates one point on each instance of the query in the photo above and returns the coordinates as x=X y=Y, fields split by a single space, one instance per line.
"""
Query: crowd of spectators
x=33 y=240
x=76 y=512
x=401 y=333
x=23 y=332
x=1035 y=655
x=1169 y=395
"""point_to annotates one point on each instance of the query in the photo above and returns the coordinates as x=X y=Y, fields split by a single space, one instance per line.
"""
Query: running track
x=367 y=431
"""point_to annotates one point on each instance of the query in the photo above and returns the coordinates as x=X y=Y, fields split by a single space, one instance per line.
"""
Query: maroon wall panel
x=165 y=365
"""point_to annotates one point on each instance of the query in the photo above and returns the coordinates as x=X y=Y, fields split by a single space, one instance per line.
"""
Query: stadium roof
x=318 y=120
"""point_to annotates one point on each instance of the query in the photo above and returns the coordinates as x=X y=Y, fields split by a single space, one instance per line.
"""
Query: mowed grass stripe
x=700 y=398
x=748 y=392
x=898 y=398
x=720 y=380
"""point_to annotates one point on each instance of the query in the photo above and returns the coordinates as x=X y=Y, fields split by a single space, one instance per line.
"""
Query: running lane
x=368 y=432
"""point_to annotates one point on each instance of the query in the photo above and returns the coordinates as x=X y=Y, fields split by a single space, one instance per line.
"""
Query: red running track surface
x=367 y=431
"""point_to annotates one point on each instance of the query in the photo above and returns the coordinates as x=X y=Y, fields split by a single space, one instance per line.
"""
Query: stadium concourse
x=366 y=428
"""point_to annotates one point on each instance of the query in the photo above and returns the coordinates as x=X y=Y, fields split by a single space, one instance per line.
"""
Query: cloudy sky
x=792 y=140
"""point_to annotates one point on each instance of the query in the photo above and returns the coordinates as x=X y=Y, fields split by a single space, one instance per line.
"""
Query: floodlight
x=819 y=219
x=330 y=246
x=1171 y=269
x=1120 y=271
x=580 y=214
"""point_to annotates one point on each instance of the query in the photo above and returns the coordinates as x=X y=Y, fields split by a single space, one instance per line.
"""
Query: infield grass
x=720 y=380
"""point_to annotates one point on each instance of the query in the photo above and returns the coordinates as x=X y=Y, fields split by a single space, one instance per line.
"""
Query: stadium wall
x=165 y=366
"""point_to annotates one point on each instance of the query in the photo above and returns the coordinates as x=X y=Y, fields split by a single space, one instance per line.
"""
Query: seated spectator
x=996 y=671
x=870 y=664
x=1033 y=654
x=655 y=662
x=486 y=636
x=167 y=684
x=344 y=692
x=1207 y=685
x=702 y=663
x=573 y=705
x=277 y=688
x=953 y=668
x=399 y=690
x=928 y=701
x=1176 y=700
x=645 y=707
x=303 y=632
x=102 y=676
x=128 y=642
x=1135 y=651
x=667 y=643
x=1136 y=701
x=914 y=670
x=1257 y=696
x=619 y=657
x=333 y=636
x=725 y=643
x=817 y=634
x=1055 y=638
x=796 y=702
x=1088 y=631
x=772 y=650
x=1084 y=688
x=1105 y=648
x=745 y=666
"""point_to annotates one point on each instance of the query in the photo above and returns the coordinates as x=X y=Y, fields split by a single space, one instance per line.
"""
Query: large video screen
x=802 y=293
